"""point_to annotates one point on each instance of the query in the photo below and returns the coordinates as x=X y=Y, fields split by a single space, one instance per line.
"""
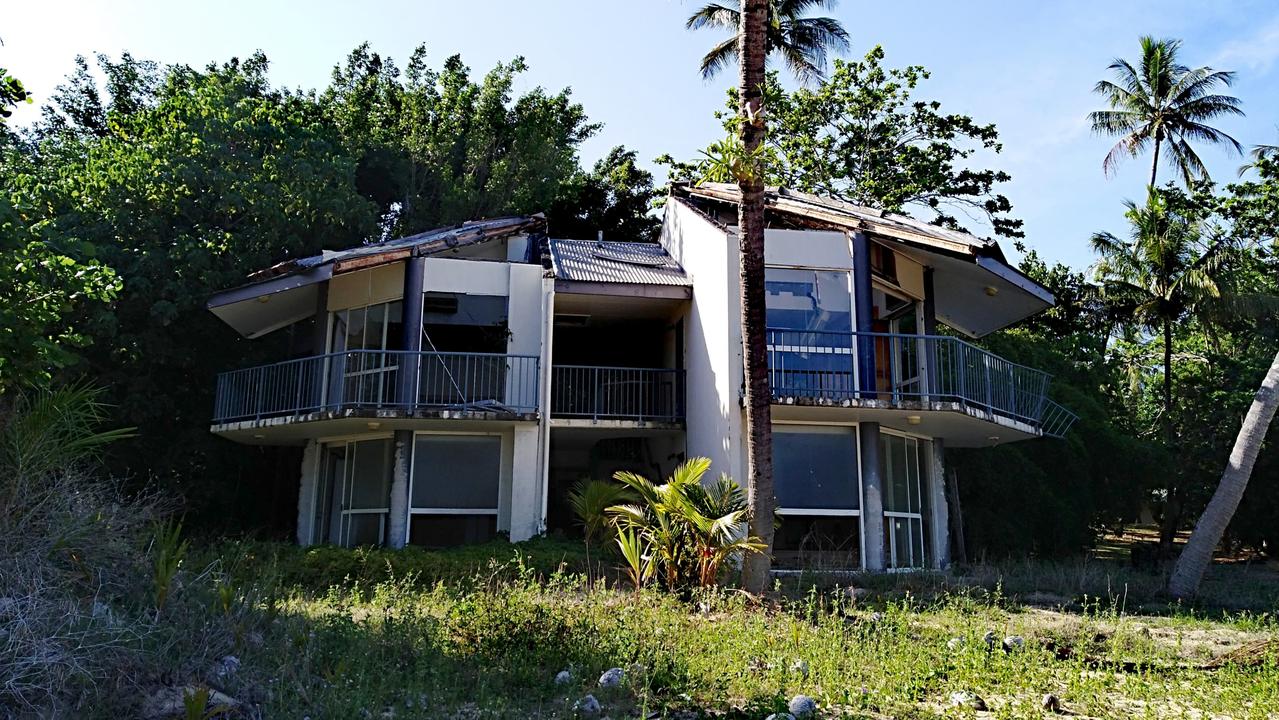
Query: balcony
x=644 y=395
x=913 y=372
x=381 y=381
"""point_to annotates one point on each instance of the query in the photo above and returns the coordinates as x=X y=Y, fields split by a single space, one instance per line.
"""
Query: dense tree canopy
x=151 y=190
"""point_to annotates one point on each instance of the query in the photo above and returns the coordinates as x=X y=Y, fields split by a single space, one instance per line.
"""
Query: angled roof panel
x=615 y=262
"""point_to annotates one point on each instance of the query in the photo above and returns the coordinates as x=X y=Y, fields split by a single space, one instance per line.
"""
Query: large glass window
x=810 y=321
x=900 y=469
x=818 y=496
x=815 y=468
x=353 y=498
x=453 y=498
x=363 y=344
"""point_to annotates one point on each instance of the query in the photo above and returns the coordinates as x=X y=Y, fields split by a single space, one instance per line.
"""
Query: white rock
x=964 y=698
x=587 y=706
x=954 y=643
x=612 y=677
x=801 y=667
x=563 y=677
x=1014 y=642
x=780 y=716
x=167 y=702
x=1050 y=703
x=802 y=706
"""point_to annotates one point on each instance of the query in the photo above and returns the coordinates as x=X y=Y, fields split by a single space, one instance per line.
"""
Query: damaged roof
x=831 y=212
x=601 y=261
x=430 y=242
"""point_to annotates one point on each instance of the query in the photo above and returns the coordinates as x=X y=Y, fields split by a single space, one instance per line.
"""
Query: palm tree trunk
x=1154 y=164
x=1172 y=505
x=751 y=52
x=1197 y=556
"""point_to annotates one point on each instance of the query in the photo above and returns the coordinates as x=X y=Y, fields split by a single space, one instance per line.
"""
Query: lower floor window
x=818 y=496
x=453 y=495
x=806 y=542
x=353 y=498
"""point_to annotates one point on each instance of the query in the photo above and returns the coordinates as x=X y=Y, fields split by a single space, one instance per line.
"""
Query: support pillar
x=864 y=303
x=308 y=487
x=872 y=497
x=411 y=329
x=940 y=511
x=526 y=479
x=397 y=526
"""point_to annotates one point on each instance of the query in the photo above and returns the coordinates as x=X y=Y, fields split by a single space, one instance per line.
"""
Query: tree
x=801 y=41
x=1197 y=555
x=752 y=49
x=615 y=198
x=1165 y=273
x=863 y=137
x=1163 y=102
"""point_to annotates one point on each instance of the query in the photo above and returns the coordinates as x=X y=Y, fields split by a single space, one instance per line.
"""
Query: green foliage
x=12 y=92
x=637 y=552
x=802 y=42
x=617 y=198
x=168 y=550
x=46 y=430
x=863 y=136
x=692 y=531
x=590 y=499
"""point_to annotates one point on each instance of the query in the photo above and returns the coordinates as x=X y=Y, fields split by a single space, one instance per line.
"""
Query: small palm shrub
x=685 y=531
x=590 y=500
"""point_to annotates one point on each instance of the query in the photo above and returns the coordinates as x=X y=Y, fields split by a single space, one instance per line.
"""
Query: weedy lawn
x=431 y=638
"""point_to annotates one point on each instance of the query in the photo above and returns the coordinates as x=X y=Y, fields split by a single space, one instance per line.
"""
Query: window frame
x=853 y=431
x=496 y=511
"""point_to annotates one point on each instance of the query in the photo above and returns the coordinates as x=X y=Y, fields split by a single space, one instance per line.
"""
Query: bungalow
x=457 y=382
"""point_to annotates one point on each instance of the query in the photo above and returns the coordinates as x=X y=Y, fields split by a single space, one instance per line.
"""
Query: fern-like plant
x=590 y=500
x=168 y=549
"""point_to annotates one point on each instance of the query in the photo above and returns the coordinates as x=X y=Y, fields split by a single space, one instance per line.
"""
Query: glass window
x=456 y=472
x=814 y=300
x=815 y=468
x=899 y=460
x=370 y=475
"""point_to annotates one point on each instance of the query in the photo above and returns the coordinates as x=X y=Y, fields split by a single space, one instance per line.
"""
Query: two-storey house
x=461 y=380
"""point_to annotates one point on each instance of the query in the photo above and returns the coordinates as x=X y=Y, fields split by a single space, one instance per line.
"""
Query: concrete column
x=307 y=490
x=940 y=515
x=872 y=497
x=411 y=339
x=864 y=304
x=398 y=524
x=526 y=479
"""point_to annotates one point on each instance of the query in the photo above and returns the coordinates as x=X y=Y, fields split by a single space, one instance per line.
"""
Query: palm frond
x=715 y=15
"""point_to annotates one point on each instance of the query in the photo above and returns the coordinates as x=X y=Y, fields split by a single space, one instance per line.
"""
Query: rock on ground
x=612 y=677
x=802 y=706
x=964 y=698
x=563 y=677
x=167 y=702
x=588 y=706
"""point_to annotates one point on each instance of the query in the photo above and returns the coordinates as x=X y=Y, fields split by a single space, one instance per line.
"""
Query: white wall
x=366 y=287
x=713 y=340
x=473 y=277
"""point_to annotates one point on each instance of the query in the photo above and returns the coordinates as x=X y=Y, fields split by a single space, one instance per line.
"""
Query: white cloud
x=1258 y=52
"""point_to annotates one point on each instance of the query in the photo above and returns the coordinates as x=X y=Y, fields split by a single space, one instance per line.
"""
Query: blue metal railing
x=379 y=379
x=937 y=368
x=617 y=393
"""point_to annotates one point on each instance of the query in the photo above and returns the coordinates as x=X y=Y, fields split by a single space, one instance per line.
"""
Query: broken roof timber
x=425 y=243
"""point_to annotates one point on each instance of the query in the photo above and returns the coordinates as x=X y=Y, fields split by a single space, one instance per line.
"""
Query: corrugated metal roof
x=615 y=262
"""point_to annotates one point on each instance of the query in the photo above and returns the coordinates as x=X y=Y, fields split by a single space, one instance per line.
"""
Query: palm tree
x=1154 y=281
x=1197 y=555
x=763 y=26
x=1162 y=102
x=802 y=42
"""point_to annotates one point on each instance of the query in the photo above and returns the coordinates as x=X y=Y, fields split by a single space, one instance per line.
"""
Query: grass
x=482 y=632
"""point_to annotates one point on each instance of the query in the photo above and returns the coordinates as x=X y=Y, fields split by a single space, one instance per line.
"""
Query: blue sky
x=1028 y=67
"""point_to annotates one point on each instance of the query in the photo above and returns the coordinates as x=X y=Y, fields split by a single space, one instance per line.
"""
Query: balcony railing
x=379 y=380
x=617 y=393
x=823 y=366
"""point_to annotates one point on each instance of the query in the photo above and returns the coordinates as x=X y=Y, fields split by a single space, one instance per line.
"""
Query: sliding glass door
x=902 y=473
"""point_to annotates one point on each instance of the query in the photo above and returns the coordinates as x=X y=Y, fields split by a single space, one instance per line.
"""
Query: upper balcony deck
x=912 y=372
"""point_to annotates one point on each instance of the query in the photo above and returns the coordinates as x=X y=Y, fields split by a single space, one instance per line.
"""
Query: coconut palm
x=802 y=42
x=762 y=26
x=589 y=500
x=1197 y=554
x=1161 y=104
x=1153 y=281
